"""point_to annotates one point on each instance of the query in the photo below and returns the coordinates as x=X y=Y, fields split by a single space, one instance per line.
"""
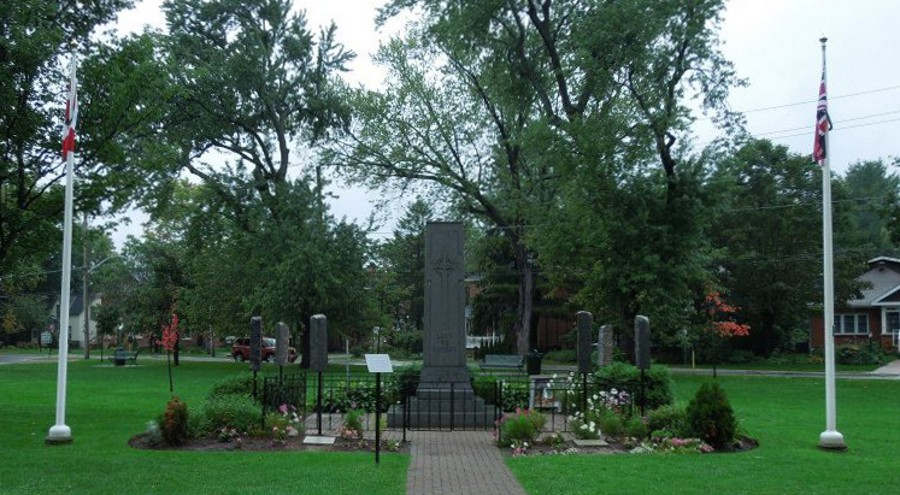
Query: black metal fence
x=409 y=404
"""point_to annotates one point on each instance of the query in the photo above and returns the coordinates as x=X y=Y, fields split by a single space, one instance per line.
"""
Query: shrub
x=870 y=353
x=238 y=384
x=175 y=422
x=514 y=393
x=710 y=416
x=623 y=376
x=519 y=427
x=635 y=427
x=610 y=423
x=409 y=340
x=670 y=418
x=198 y=426
x=561 y=356
x=353 y=427
x=236 y=411
x=407 y=380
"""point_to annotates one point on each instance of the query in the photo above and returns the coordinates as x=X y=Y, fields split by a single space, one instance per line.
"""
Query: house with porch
x=873 y=317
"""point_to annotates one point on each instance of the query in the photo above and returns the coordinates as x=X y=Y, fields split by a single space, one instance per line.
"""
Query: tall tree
x=873 y=193
x=767 y=232
x=251 y=81
x=562 y=94
x=36 y=37
x=403 y=258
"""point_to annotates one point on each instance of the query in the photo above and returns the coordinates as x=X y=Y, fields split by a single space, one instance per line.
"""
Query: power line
x=805 y=102
x=807 y=127
x=867 y=124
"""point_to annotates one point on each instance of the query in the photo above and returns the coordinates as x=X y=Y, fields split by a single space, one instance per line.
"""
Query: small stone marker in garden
x=585 y=322
x=255 y=342
x=282 y=343
x=318 y=342
x=642 y=342
x=605 y=345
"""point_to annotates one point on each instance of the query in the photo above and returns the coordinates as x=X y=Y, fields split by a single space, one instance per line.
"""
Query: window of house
x=852 y=324
x=862 y=323
x=893 y=321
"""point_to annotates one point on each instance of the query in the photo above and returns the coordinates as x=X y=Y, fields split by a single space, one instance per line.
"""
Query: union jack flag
x=68 y=145
x=823 y=123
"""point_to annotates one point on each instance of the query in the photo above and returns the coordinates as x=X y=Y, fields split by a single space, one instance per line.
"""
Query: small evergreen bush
x=175 y=423
x=521 y=426
x=710 y=416
x=635 y=427
x=236 y=411
x=669 y=418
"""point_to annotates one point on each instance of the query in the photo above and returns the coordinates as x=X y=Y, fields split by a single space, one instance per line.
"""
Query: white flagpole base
x=59 y=434
x=832 y=440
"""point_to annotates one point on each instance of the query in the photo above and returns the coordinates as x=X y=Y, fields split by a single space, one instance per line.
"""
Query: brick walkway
x=457 y=463
x=443 y=462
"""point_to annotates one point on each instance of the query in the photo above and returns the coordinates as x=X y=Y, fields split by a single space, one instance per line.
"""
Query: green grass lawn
x=108 y=405
x=785 y=414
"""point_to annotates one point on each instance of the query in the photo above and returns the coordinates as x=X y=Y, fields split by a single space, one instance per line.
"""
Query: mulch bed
x=142 y=441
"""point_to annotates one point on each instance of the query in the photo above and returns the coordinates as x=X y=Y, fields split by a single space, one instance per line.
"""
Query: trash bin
x=120 y=357
x=533 y=362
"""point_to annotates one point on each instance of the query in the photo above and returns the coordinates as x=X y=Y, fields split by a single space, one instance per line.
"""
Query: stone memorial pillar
x=585 y=321
x=282 y=343
x=642 y=342
x=444 y=358
x=605 y=345
x=255 y=342
x=444 y=398
x=318 y=342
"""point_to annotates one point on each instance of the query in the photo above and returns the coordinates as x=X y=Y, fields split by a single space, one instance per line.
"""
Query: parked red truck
x=240 y=349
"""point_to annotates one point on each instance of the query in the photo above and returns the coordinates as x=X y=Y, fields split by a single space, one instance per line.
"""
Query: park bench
x=508 y=361
x=126 y=355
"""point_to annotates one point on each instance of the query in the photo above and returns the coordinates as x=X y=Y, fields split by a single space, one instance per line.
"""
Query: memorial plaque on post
x=642 y=342
x=585 y=322
x=318 y=342
x=255 y=342
x=379 y=363
x=282 y=343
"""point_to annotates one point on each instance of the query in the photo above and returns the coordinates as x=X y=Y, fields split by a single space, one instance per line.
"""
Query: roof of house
x=884 y=277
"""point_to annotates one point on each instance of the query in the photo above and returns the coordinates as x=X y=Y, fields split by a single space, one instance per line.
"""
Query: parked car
x=240 y=349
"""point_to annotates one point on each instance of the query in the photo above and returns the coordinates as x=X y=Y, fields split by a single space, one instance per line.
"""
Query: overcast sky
x=773 y=44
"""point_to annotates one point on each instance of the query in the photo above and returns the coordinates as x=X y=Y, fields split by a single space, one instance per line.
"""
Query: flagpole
x=830 y=438
x=59 y=432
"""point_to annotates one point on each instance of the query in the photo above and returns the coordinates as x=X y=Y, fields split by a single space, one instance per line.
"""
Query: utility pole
x=85 y=273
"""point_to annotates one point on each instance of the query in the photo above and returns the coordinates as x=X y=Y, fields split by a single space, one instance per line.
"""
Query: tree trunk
x=525 y=305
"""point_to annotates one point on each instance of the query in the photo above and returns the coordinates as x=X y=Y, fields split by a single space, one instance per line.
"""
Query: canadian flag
x=68 y=145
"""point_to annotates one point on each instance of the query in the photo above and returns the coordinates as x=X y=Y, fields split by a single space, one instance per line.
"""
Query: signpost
x=378 y=364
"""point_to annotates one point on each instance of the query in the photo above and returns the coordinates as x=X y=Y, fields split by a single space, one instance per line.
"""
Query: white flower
x=584 y=427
